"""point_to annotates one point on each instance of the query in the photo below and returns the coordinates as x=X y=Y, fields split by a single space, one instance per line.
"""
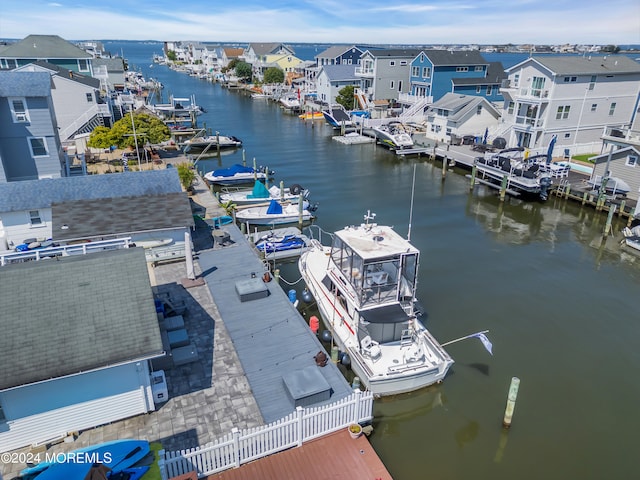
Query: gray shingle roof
x=267 y=48
x=112 y=64
x=334 y=51
x=75 y=314
x=44 y=46
x=340 y=72
x=459 y=105
x=25 y=84
x=70 y=74
x=395 y=52
x=594 y=65
x=120 y=216
x=33 y=194
x=495 y=75
x=443 y=58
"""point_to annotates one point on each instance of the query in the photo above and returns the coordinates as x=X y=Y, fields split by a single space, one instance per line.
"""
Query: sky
x=330 y=21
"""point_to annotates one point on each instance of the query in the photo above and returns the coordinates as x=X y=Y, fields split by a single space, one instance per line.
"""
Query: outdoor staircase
x=416 y=112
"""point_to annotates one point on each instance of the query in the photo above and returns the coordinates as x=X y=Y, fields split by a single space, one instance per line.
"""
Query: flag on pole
x=485 y=341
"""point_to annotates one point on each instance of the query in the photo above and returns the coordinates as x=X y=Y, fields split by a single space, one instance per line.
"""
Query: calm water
x=559 y=302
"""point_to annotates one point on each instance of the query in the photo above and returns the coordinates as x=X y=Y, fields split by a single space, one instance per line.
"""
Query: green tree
x=346 y=97
x=244 y=71
x=171 y=55
x=186 y=174
x=273 y=75
x=148 y=129
x=610 y=49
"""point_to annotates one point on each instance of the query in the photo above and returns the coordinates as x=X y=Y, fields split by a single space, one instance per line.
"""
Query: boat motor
x=545 y=184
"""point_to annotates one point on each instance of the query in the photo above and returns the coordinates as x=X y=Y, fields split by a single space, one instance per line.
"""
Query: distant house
x=332 y=78
x=91 y=207
x=457 y=115
x=76 y=354
x=623 y=164
x=572 y=97
x=77 y=101
x=29 y=143
x=385 y=74
x=257 y=54
x=340 y=55
x=228 y=54
x=487 y=86
x=110 y=72
x=49 y=48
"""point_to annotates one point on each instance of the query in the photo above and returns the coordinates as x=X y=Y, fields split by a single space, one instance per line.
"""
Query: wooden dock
x=336 y=456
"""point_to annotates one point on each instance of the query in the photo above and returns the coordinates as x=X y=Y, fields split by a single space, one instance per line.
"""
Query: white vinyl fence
x=239 y=447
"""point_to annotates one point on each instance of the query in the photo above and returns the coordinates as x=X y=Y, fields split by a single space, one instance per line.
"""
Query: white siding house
x=333 y=78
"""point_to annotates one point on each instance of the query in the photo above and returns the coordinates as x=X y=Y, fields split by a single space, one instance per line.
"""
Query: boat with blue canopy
x=260 y=193
x=236 y=174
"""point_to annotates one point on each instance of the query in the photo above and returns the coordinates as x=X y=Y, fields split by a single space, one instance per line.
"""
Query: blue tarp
x=274 y=208
x=232 y=170
x=259 y=191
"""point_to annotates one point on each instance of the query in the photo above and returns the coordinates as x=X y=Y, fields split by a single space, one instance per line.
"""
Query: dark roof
x=340 y=72
x=44 y=46
x=394 y=52
x=120 y=216
x=268 y=48
x=33 y=194
x=589 y=65
x=495 y=75
x=75 y=314
x=25 y=84
x=66 y=73
x=115 y=64
x=334 y=51
x=441 y=58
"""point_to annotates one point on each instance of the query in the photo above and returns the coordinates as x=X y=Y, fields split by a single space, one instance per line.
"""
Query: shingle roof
x=120 y=216
x=592 y=65
x=267 y=48
x=70 y=74
x=442 y=58
x=33 y=194
x=395 y=52
x=44 y=46
x=25 y=84
x=495 y=75
x=112 y=64
x=75 y=314
x=459 y=105
x=334 y=51
x=340 y=72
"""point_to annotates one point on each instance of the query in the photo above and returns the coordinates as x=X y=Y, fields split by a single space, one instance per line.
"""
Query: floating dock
x=351 y=139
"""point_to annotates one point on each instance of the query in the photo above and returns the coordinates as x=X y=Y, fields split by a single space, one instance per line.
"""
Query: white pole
x=413 y=186
x=135 y=139
x=189 y=256
x=462 y=338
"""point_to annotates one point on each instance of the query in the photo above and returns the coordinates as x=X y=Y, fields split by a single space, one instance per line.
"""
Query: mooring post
x=282 y=190
x=503 y=188
x=511 y=401
x=255 y=169
x=567 y=191
x=607 y=226
x=622 y=205
x=474 y=171
x=334 y=354
x=584 y=197
x=445 y=160
x=244 y=158
x=218 y=142
x=300 y=209
x=276 y=275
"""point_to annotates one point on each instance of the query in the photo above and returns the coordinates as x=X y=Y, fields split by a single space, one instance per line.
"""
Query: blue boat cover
x=274 y=208
x=259 y=191
x=232 y=170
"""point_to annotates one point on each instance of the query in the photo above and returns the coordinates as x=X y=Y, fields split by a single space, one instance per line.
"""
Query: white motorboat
x=337 y=117
x=394 y=135
x=211 y=143
x=290 y=101
x=177 y=107
x=235 y=174
x=274 y=214
x=260 y=194
x=364 y=286
x=632 y=237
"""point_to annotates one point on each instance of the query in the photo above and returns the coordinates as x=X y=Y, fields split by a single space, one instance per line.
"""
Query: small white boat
x=211 y=143
x=177 y=107
x=337 y=117
x=394 y=135
x=273 y=214
x=235 y=174
x=290 y=101
x=364 y=286
x=632 y=237
x=260 y=194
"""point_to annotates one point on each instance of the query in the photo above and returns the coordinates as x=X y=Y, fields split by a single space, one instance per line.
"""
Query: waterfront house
x=333 y=78
x=77 y=102
x=341 y=55
x=29 y=144
x=226 y=54
x=256 y=55
x=435 y=73
x=110 y=72
x=79 y=333
x=33 y=208
x=574 y=98
x=623 y=163
x=454 y=116
x=49 y=48
x=385 y=74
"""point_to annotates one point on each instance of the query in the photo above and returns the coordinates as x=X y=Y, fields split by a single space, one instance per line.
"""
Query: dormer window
x=83 y=65
x=19 y=110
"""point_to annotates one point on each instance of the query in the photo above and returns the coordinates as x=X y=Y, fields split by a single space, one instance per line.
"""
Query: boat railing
x=318 y=233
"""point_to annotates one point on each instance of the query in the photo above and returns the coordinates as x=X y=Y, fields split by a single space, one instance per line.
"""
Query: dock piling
x=445 y=161
x=607 y=226
x=511 y=401
x=503 y=188
x=474 y=171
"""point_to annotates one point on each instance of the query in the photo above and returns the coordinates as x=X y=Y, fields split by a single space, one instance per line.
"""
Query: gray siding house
x=29 y=143
x=385 y=74
x=624 y=164
x=50 y=48
x=75 y=355
x=332 y=78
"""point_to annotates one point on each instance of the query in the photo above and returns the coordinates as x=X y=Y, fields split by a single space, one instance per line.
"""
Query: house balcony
x=621 y=136
x=408 y=99
x=529 y=122
x=364 y=72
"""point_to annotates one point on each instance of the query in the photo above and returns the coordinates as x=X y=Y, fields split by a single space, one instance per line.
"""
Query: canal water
x=560 y=303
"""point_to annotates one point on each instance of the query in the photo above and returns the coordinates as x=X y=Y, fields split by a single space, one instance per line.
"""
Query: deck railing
x=241 y=446
x=64 y=250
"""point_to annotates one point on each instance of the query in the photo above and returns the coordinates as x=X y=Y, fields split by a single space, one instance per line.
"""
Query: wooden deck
x=336 y=456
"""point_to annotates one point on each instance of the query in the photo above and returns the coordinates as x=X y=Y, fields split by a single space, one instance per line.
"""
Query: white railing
x=97 y=109
x=64 y=250
x=239 y=447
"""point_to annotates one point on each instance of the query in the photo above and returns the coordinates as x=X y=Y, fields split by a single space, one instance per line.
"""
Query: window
x=2 y=416
x=426 y=72
x=478 y=89
x=403 y=63
x=489 y=89
x=479 y=110
x=415 y=71
x=19 y=110
x=34 y=217
x=570 y=79
x=8 y=63
x=422 y=58
x=612 y=108
x=567 y=135
x=632 y=160
x=83 y=65
x=38 y=146
x=478 y=68
x=563 y=112
x=510 y=108
x=392 y=84
x=462 y=69
x=516 y=79
x=90 y=97
x=392 y=63
x=592 y=83
x=594 y=107
x=448 y=130
x=400 y=85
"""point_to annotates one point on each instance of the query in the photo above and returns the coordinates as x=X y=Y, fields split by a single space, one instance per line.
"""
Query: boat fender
x=292 y=295
x=306 y=296
x=326 y=336
x=295 y=189
x=345 y=359
x=321 y=358
x=266 y=278
x=314 y=324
